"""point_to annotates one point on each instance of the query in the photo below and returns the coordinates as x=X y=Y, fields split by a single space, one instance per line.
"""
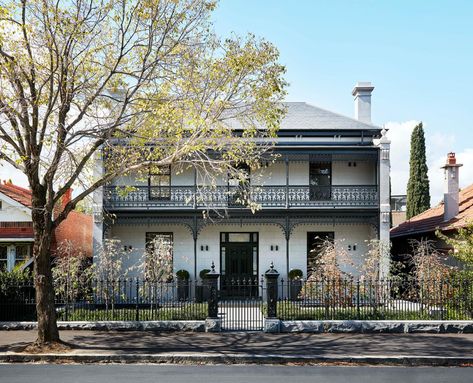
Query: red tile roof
x=17 y=193
x=432 y=219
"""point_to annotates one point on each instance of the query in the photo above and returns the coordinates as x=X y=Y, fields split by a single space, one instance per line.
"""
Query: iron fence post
x=67 y=300
x=271 y=276
x=137 y=312
x=358 y=299
x=211 y=279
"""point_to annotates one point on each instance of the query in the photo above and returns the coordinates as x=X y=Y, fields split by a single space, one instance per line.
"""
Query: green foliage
x=418 y=193
x=10 y=281
x=189 y=311
x=295 y=274
x=462 y=246
x=296 y=311
x=17 y=275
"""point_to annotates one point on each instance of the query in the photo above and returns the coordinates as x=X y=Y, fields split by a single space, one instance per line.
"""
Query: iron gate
x=241 y=306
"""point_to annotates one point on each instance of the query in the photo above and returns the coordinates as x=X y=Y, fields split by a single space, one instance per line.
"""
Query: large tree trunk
x=45 y=309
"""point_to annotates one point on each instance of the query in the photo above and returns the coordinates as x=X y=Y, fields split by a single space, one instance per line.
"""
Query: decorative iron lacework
x=221 y=197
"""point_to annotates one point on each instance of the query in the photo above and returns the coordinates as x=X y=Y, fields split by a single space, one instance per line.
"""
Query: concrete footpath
x=245 y=347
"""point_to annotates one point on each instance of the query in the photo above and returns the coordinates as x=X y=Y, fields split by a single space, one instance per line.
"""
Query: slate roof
x=432 y=219
x=303 y=116
x=16 y=193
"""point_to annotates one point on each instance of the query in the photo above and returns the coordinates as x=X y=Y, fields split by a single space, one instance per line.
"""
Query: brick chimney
x=451 y=188
x=66 y=198
x=362 y=93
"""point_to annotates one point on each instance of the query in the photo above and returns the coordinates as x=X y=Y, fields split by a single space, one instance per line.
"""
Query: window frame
x=4 y=260
x=162 y=173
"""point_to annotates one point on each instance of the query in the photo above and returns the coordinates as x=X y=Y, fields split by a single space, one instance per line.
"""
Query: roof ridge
x=19 y=188
x=342 y=115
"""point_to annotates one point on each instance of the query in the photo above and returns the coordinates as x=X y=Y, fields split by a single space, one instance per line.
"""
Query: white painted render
x=363 y=173
x=269 y=235
x=135 y=235
x=12 y=211
x=345 y=235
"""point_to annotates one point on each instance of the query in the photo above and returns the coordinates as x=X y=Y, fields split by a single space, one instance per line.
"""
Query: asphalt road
x=225 y=374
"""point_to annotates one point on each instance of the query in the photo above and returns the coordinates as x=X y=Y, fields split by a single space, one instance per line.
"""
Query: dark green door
x=239 y=261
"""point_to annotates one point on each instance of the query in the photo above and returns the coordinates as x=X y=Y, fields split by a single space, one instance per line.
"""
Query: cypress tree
x=418 y=194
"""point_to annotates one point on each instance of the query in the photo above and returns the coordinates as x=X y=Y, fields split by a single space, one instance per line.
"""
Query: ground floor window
x=22 y=253
x=315 y=242
x=19 y=254
x=3 y=257
x=159 y=256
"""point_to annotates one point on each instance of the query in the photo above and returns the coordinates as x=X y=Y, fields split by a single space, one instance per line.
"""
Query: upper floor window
x=159 y=182
x=239 y=183
x=320 y=180
x=242 y=176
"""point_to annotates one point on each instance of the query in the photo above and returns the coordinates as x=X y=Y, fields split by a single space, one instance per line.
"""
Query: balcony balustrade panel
x=220 y=197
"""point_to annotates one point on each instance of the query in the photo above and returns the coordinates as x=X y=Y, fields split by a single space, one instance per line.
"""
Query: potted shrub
x=182 y=277
x=202 y=293
x=295 y=283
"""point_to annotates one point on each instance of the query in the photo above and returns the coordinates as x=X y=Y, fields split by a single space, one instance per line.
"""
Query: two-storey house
x=330 y=180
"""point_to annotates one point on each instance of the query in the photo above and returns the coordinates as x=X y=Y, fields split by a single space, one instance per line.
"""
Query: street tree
x=418 y=192
x=138 y=83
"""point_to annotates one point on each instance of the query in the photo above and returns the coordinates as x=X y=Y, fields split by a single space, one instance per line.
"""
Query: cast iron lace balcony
x=192 y=197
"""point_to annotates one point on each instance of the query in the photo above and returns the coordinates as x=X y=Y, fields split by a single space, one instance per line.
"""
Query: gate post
x=272 y=323
x=212 y=323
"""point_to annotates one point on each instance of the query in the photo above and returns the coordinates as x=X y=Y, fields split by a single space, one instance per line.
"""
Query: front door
x=239 y=261
x=239 y=264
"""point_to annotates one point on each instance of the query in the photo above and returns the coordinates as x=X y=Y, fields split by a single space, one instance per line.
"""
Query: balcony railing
x=220 y=197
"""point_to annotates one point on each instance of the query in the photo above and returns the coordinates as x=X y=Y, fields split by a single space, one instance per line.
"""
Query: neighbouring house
x=454 y=212
x=16 y=227
x=330 y=180
x=398 y=209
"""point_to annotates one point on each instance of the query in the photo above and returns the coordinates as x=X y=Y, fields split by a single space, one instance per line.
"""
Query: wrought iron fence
x=107 y=300
x=243 y=304
x=362 y=299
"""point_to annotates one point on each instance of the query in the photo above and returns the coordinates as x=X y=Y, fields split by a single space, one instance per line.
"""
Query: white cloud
x=8 y=172
x=438 y=145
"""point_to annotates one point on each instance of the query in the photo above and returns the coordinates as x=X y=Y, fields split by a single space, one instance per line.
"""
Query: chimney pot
x=66 y=198
x=362 y=93
x=451 y=160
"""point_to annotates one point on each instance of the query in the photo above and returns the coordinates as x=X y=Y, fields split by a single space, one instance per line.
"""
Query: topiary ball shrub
x=203 y=273
x=182 y=274
x=295 y=274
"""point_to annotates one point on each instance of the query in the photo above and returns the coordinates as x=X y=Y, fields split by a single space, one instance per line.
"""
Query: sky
x=418 y=55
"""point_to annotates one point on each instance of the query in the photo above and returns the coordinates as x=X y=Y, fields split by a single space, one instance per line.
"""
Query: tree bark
x=45 y=308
